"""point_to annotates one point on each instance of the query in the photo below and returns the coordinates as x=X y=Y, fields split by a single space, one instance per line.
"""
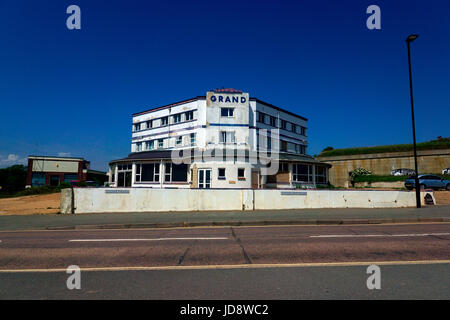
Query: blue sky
x=72 y=92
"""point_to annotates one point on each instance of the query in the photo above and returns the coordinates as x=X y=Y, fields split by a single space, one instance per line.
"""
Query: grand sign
x=214 y=98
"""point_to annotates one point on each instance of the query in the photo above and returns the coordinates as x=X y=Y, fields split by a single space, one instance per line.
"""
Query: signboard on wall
x=226 y=99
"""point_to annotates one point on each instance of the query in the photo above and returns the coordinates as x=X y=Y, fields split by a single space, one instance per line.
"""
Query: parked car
x=428 y=181
x=403 y=172
x=446 y=171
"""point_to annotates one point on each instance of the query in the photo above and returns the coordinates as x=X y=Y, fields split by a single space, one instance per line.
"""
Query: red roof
x=227 y=90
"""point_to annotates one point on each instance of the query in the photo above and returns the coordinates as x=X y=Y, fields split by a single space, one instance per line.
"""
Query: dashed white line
x=155 y=239
x=379 y=235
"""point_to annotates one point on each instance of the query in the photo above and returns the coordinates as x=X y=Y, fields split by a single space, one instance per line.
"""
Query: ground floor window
x=221 y=174
x=241 y=173
x=70 y=177
x=124 y=175
x=38 y=179
x=321 y=175
x=302 y=173
x=147 y=172
x=176 y=172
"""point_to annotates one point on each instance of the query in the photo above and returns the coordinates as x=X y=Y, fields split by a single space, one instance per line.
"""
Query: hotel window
x=261 y=117
x=160 y=143
x=137 y=127
x=192 y=139
x=179 y=140
x=269 y=143
x=302 y=173
x=284 y=167
x=177 y=118
x=241 y=173
x=175 y=173
x=302 y=149
x=284 y=146
x=303 y=131
x=321 y=174
x=293 y=127
x=297 y=148
x=189 y=115
x=148 y=172
x=272 y=121
x=283 y=124
x=150 y=145
x=227 y=137
x=164 y=121
x=221 y=174
x=139 y=146
x=149 y=124
x=227 y=112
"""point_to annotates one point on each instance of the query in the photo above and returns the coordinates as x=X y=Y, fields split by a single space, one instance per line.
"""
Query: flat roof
x=56 y=158
x=204 y=97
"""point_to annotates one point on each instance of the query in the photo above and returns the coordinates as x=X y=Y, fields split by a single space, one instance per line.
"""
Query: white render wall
x=92 y=200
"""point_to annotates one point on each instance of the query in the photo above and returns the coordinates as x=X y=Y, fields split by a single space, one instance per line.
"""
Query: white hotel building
x=225 y=140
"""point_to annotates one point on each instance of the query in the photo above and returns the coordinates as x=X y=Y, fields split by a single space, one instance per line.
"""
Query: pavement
x=218 y=218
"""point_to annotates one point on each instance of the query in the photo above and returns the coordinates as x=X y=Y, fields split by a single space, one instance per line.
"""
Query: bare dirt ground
x=37 y=204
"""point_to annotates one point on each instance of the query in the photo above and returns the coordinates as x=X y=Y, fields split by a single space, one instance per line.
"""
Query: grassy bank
x=429 y=145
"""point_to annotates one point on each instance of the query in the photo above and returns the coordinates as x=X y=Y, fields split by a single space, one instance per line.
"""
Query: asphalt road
x=272 y=262
x=428 y=281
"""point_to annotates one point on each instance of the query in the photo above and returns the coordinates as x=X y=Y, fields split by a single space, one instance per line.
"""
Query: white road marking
x=156 y=239
x=379 y=235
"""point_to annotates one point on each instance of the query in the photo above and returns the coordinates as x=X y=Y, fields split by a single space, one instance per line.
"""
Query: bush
x=360 y=172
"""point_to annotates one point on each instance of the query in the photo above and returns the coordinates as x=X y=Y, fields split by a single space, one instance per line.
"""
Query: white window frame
x=175 y=117
x=189 y=115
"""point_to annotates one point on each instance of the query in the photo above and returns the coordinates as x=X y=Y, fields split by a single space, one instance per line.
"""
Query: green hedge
x=430 y=145
x=375 y=178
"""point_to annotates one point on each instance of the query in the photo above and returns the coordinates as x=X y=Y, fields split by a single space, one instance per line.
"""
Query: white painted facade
x=225 y=120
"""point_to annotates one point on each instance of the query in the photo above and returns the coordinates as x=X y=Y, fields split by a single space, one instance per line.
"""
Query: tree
x=327 y=149
x=13 y=179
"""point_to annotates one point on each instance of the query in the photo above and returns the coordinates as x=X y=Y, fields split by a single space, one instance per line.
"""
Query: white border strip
x=379 y=235
x=156 y=239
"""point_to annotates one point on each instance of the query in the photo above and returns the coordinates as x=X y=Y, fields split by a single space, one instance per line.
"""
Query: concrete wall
x=429 y=161
x=91 y=200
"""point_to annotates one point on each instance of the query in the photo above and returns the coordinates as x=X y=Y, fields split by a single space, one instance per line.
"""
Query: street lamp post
x=410 y=39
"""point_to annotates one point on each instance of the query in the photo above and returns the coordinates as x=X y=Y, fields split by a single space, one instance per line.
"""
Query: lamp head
x=412 y=37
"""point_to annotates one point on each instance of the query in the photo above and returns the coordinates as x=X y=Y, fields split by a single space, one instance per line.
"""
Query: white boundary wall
x=162 y=200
